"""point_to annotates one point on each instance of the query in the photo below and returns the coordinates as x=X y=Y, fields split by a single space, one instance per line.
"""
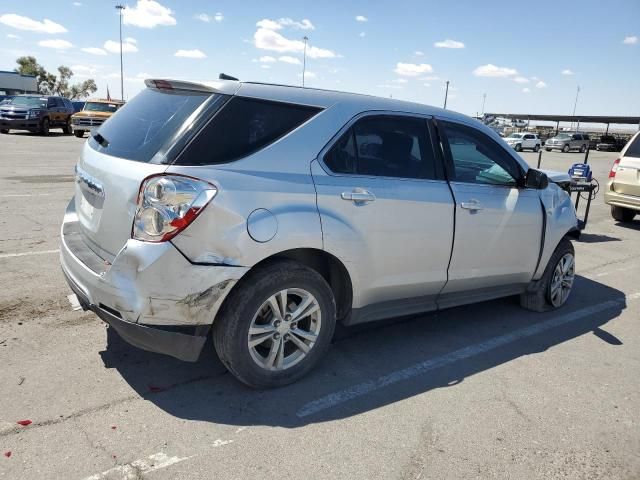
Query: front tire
x=79 y=133
x=583 y=148
x=276 y=325
x=518 y=148
x=622 y=214
x=548 y=149
x=44 y=128
x=552 y=290
x=4 y=131
x=67 y=127
x=536 y=148
x=565 y=149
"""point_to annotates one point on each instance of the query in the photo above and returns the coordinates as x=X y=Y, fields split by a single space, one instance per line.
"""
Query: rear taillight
x=167 y=204
x=614 y=168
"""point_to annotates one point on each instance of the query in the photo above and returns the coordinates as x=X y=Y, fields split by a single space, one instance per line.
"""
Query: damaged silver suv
x=268 y=213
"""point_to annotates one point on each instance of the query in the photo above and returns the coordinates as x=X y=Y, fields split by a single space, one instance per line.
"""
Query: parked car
x=609 y=143
x=522 y=141
x=272 y=212
x=623 y=188
x=567 y=142
x=5 y=99
x=36 y=113
x=78 y=105
x=94 y=113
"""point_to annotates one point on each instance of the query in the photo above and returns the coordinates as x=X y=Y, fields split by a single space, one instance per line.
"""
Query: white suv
x=524 y=140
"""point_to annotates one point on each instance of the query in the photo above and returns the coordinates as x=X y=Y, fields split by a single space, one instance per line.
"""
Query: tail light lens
x=614 y=168
x=167 y=204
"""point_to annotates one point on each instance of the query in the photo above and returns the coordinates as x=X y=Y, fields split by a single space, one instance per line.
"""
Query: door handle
x=361 y=196
x=472 y=205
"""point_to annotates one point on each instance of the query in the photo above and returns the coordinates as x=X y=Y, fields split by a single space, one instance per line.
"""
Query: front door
x=498 y=229
x=387 y=213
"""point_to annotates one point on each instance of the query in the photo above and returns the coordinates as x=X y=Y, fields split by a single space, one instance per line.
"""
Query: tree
x=50 y=84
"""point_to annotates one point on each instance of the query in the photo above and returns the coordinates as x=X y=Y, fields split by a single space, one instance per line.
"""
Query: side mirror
x=536 y=179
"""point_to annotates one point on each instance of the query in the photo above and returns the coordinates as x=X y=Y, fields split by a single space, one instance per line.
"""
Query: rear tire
x=548 y=149
x=622 y=214
x=565 y=149
x=518 y=148
x=539 y=296
x=4 y=131
x=536 y=148
x=79 y=133
x=251 y=306
x=583 y=148
x=67 y=127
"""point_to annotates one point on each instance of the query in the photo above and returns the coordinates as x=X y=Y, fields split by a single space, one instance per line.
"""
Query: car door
x=498 y=227
x=528 y=141
x=387 y=213
x=575 y=142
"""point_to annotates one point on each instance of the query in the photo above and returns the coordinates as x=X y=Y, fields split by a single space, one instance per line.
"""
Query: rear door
x=627 y=179
x=387 y=211
x=498 y=227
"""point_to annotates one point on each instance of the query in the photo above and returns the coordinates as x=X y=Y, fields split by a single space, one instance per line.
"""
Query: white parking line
x=365 y=388
x=25 y=254
x=134 y=470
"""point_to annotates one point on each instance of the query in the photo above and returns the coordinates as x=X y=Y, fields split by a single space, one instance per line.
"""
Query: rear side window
x=242 y=127
x=386 y=147
x=634 y=148
x=139 y=129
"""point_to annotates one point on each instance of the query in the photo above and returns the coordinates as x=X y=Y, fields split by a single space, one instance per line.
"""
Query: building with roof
x=14 y=83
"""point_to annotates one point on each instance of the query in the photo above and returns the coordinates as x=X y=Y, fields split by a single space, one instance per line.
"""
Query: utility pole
x=574 y=107
x=484 y=98
x=304 y=59
x=120 y=8
x=446 y=94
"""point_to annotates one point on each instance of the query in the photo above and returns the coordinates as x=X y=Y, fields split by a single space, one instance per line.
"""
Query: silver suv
x=273 y=212
x=567 y=142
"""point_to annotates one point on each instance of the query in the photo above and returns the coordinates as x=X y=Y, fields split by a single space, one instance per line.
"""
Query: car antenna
x=224 y=76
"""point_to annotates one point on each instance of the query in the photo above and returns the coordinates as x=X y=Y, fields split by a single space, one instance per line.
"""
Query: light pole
x=484 y=98
x=446 y=94
x=304 y=59
x=574 y=106
x=120 y=8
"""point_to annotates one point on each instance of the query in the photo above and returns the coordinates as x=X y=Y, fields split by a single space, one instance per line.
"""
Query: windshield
x=100 y=107
x=29 y=102
x=563 y=135
x=515 y=135
x=139 y=129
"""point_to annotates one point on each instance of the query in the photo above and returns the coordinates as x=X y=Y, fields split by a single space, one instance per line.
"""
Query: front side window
x=242 y=127
x=384 y=146
x=476 y=158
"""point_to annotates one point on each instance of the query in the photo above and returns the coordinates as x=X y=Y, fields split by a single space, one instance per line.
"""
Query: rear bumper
x=150 y=294
x=18 y=124
x=621 y=200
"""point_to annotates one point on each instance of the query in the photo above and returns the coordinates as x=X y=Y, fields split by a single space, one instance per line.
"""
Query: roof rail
x=164 y=84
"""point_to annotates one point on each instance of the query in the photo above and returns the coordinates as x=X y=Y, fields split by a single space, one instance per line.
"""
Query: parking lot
x=486 y=390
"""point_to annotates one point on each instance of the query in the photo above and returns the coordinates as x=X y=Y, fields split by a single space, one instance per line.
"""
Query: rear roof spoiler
x=165 y=84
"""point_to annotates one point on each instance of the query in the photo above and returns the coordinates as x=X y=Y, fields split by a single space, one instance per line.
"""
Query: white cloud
x=268 y=24
x=83 y=71
x=290 y=60
x=55 y=43
x=361 y=18
x=490 y=70
x=267 y=59
x=218 y=17
x=148 y=14
x=77 y=4
x=567 y=72
x=12 y=36
x=449 y=44
x=541 y=84
x=630 y=40
x=526 y=90
x=304 y=24
x=362 y=34
x=114 y=47
x=418 y=53
x=308 y=74
x=94 y=50
x=195 y=53
x=269 y=39
x=412 y=69
x=520 y=79
x=26 y=23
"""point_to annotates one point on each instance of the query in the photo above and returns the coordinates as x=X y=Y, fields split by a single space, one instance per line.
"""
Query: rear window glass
x=139 y=129
x=634 y=148
x=242 y=127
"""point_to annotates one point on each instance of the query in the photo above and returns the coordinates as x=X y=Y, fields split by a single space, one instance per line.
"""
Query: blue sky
x=527 y=57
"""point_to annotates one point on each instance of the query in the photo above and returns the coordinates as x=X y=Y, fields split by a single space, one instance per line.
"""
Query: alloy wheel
x=284 y=329
x=562 y=280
